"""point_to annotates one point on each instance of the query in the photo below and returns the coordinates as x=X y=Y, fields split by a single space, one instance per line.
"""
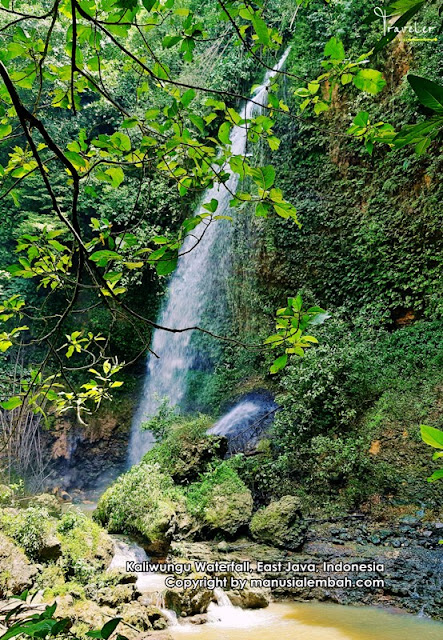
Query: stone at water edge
x=250 y=598
x=201 y=618
x=188 y=602
x=144 y=618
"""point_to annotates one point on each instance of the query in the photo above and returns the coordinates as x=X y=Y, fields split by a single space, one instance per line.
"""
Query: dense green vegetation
x=112 y=129
x=326 y=292
x=368 y=251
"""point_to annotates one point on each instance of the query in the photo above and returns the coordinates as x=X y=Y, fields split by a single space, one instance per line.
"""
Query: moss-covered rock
x=221 y=501
x=280 y=524
x=144 y=618
x=86 y=549
x=6 y=495
x=32 y=529
x=48 y=502
x=144 y=502
x=16 y=572
x=192 y=456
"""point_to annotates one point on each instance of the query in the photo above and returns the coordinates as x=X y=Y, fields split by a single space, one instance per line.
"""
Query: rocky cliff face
x=87 y=459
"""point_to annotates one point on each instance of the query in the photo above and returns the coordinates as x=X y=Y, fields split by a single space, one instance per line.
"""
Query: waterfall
x=188 y=295
x=125 y=550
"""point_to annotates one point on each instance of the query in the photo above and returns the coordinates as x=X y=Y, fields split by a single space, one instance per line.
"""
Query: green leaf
x=187 y=97
x=109 y=628
x=223 y=132
x=197 y=121
x=273 y=143
x=76 y=159
x=334 y=49
x=429 y=93
x=279 y=363
x=121 y=141
x=421 y=146
x=129 y=123
x=261 y=29
x=170 y=41
x=433 y=437
x=319 y=107
x=211 y=206
x=262 y=209
x=11 y=404
x=103 y=256
x=116 y=174
x=264 y=177
x=361 y=119
x=436 y=475
x=5 y=130
x=164 y=266
x=370 y=81
x=313 y=87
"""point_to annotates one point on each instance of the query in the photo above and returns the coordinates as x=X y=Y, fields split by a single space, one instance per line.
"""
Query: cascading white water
x=188 y=295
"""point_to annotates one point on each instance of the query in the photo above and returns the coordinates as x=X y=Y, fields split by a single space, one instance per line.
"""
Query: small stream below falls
x=279 y=621
x=310 y=621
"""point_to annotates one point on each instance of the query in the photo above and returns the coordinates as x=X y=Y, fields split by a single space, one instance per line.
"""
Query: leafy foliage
x=433 y=437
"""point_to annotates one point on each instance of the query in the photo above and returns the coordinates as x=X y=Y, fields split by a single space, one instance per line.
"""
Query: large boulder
x=185 y=450
x=114 y=596
x=141 y=617
x=16 y=572
x=280 y=524
x=143 y=502
x=228 y=512
x=250 y=598
x=86 y=549
x=188 y=602
x=195 y=457
x=220 y=501
x=48 y=502
x=50 y=548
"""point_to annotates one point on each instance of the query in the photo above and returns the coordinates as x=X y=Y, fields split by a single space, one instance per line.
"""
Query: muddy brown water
x=310 y=621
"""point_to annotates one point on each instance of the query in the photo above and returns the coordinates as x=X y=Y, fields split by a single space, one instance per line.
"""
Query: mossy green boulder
x=221 y=501
x=86 y=549
x=280 y=524
x=16 y=572
x=144 y=503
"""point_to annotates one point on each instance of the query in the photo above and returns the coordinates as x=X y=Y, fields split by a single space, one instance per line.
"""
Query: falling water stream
x=189 y=292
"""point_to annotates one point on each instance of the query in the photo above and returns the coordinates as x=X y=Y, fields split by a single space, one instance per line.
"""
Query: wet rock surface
x=409 y=551
x=188 y=602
